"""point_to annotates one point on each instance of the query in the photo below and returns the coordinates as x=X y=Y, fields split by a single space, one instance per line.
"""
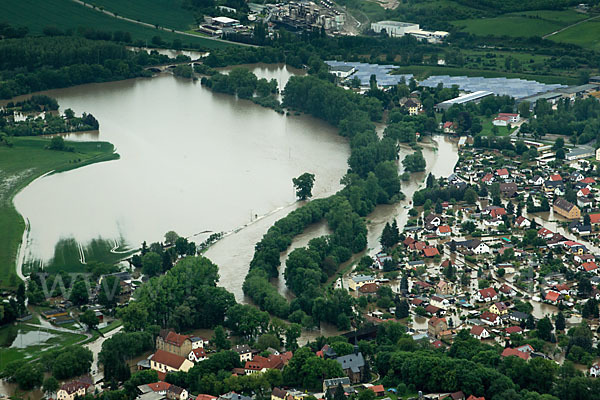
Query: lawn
x=486 y=124
x=20 y=165
x=66 y=14
x=522 y=24
x=166 y=13
x=585 y=35
x=10 y=334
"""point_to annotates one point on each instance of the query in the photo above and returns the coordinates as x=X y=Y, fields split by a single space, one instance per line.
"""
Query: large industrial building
x=398 y=29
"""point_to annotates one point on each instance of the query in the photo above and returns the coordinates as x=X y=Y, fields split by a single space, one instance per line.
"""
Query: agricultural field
x=66 y=14
x=522 y=24
x=586 y=34
x=165 y=13
x=20 y=165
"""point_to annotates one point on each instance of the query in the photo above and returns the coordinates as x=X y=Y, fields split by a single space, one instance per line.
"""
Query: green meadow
x=586 y=34
x=522 y=24
x=66 y=14
x=166 y=13
x=27 y=160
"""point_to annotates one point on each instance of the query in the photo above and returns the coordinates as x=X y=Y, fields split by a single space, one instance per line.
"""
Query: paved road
x=160 y=27
x=569 y=26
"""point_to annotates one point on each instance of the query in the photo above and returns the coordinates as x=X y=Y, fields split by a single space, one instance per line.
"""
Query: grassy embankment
x=66 y=14
x=25 y=161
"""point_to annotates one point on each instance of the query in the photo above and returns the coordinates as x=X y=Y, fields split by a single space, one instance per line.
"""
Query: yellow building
x=499 y=308
x=566 y=209
x=163 y=361
x=358 y=281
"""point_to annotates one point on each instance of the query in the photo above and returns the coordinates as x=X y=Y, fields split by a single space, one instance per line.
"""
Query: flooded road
x=191 y=161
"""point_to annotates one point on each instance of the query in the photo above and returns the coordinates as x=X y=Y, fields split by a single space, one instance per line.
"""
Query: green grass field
x=167 y=13
x=523 y=24
x=585 y=35
x=9 y=334
x=66 y=14
x=20 y=165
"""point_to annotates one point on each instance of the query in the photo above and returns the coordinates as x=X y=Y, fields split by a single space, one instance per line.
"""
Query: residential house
x=480 y=332
x=552 y=297
x=574 y=247
x=443 y=287
x=508 y=190
x=475 y=246
x=443 y=231
x=487 y=294
x=198 y=342
x=545 y=233
x=488 y=179
x=430 y=251
x=457 y=396
x=333 y=383
x=353 y=365
x=581 y=258
x=260 y=364
x=177 y=393
x=497 y=212
x=552 y=186
x=159 y=387
x=359 y=280
x=589 y=266
x=436 y=326
x=412 y=107
x=516 y=353
x=163 y=361
x=449 y=127
x=537 y=180
x=507 y=290
x=556 y=177
x=432 y=221
x=522 y=223
x=197 y=355
x=504 y=119
x=513 y=329
x=244 y=351
x=279 y=394
x=499 y=308
x=566 y=209
x=379 y=390
x=368 y=289
x=518 y=316
x=71 y=390
x=595 y=370
x=472 y=397
x=175 y=343
x=502 y=173
x=490 y=318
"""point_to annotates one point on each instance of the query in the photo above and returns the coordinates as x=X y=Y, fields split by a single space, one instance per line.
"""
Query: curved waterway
x=191 y=161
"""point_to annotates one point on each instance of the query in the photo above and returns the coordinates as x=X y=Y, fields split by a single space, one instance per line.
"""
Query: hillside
x=66 y=14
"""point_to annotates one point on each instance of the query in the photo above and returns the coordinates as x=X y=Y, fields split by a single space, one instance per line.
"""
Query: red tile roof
x=502 y=172
x=377 y=389
x=589 y=266
x=488 y=293
x=589 y=181
x=430 y=251
x=159 y=386
x=513 y=329
x=595 y=218
x=166 y=358
x=552 y=296
x=556 y=177
x=176 y=339
x=444 y=229
x=435 y=321
x=477 y=330
x=514 y=352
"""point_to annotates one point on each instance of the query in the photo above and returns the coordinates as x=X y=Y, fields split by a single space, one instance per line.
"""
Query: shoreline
x=8 y=210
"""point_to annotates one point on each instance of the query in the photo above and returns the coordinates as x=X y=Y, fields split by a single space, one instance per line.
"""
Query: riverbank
x=21 y=164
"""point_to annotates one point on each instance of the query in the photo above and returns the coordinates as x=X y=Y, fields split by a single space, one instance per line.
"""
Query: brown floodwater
x=191 y=161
